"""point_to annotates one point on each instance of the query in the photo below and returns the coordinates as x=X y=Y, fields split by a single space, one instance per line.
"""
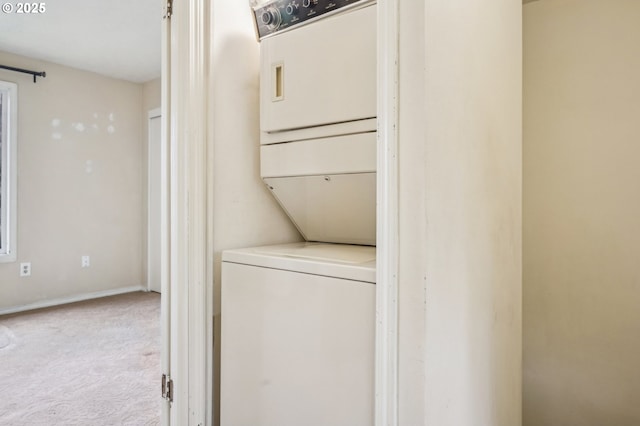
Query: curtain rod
x=33 y=73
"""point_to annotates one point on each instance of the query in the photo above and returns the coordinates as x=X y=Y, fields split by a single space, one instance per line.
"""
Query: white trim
x=196 y=156
x=11 y=173
x=178 y=203
x=151 y=115
x=191 y=313
x=386 y=373
x=154 y=113
x=211 y=396
x=71 y=299
x=165 y=215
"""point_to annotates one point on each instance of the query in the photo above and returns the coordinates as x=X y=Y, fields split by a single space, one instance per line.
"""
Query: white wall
x=581 y=210
x=460 y=213
x=245 y=214
x=79 y=184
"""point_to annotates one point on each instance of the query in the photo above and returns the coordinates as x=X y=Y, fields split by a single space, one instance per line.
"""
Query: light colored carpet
x=89 y=363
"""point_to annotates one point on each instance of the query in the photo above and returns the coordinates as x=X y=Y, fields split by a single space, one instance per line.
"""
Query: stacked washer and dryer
x=298 y=320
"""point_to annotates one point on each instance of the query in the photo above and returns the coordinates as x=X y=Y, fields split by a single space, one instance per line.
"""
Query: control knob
x=271 y=18
x=309 y=3
x=291 y=8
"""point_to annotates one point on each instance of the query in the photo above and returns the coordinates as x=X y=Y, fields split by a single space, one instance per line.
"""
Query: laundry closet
x=455 y=288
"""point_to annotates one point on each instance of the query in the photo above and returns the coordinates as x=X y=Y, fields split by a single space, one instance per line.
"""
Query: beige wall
x=244 y=213
x=79 y=184
x=460 y=213
x=150 y=95
x=581 y=210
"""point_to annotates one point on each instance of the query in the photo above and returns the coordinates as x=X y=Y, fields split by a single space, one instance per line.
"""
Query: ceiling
x=116 y=38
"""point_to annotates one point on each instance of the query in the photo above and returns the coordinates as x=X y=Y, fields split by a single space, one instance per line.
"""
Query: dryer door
x=321 y=73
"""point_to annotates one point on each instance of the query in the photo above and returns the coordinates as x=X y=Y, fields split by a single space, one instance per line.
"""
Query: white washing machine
x=298 y=335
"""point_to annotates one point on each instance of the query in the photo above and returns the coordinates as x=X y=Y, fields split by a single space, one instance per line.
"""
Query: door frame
x=165 y=217
x=189 y=250
x=153 y=114
x=386 y=365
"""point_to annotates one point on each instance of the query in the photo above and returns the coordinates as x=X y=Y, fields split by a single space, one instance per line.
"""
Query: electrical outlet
x=86 y=261
x=25 y=269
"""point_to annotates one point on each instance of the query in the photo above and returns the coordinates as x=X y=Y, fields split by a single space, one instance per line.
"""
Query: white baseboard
x=71 y=299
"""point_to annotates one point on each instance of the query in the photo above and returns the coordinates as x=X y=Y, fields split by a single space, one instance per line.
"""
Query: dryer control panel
x=282 y=15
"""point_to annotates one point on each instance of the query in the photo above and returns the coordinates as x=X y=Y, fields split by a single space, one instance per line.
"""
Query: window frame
x=8 y=169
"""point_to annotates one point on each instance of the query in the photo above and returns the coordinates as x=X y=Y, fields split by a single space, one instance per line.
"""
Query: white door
x=186 y=248
x=154 y=205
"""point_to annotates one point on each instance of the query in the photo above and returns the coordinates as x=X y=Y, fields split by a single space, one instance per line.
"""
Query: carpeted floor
x=89 y=363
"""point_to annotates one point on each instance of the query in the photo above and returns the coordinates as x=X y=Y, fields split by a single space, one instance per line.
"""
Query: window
x=8 y=138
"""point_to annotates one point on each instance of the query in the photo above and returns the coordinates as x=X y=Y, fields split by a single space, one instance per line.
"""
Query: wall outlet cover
x=25 y=269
